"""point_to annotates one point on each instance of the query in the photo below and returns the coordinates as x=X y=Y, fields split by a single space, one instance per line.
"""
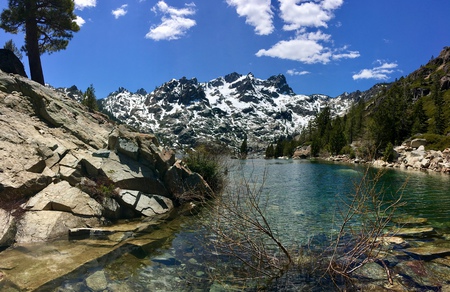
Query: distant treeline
x=408 y=108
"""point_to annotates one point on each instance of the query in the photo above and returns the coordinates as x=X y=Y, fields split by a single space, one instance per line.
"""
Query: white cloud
x=121 y=11
x=307 y=13
x=81 y=4
x=294 y=72
x=310 y=45
x=349 y=55
x=258 y=13
x=302 y=50
x=381 y=72
x=308 y=48
x=80 y=21
x=174 y=22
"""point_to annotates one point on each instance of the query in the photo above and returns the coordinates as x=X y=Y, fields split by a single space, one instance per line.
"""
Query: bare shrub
x=242 y=231
x=362 y=220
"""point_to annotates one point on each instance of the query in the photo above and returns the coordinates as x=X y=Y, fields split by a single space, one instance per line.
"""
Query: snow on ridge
x=185 y=111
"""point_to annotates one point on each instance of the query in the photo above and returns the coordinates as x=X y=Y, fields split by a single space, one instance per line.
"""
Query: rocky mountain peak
x=224 y=110
x=230 y=78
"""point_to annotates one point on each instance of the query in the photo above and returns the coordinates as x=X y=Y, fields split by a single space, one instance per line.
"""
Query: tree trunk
x=31 y=39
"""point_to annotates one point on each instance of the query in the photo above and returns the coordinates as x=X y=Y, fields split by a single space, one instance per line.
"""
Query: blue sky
x=321 y=46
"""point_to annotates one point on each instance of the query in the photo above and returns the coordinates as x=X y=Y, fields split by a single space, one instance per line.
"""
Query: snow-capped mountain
x=226 y=109
x=72 y=92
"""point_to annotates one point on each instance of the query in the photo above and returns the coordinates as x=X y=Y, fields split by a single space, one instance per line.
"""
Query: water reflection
x=301 y=203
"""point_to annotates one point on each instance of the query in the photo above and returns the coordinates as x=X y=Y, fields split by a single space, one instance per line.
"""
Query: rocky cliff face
x=63 y=167
x=224 y=110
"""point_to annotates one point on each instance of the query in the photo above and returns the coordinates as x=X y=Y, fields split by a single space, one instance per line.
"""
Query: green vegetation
x=89 y=98
x=9 y=45
x=415 y=106
x=243 y=151
x=48 y=26
x=99 y=188
x=209 y=162
x=284 y=146
x=436 y=142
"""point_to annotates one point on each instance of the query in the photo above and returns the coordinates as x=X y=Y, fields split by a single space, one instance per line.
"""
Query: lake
x=301 y=198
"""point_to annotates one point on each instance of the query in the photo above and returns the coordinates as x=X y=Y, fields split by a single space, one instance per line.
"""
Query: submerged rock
x=415 y=232
x=429 y=250
x=410 y=220
x=97 y=281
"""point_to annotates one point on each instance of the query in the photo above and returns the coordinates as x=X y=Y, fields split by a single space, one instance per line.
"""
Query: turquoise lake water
x=302 y=199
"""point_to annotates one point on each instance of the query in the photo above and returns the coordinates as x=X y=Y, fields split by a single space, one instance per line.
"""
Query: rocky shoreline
x=414 y=256
x=409 y=156
x=63 y=167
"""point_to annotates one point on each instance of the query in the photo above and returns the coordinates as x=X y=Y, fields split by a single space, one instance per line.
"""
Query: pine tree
x=439 y=119
x=9 y=45
x=89 y=98
x=270 y=151
x=244 y=149
x=420 y=118
x=337 y=137
x=48 y=26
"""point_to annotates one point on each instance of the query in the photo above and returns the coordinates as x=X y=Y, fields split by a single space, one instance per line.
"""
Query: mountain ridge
x=184 y=112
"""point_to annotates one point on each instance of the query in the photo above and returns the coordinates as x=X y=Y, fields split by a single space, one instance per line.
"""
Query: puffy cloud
x=80 y=21
x=381 y=72
x=309 y=45
x=121 y=11
x=307 y=13
x=174 y=22
x=81 y=4
x=258 y=13
x=308 y=48
x=302 y=50
x=294 y=72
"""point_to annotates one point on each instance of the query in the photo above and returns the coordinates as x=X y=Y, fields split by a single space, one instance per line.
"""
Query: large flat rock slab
x=31 y=266
x=429 y=250
x=63 y=197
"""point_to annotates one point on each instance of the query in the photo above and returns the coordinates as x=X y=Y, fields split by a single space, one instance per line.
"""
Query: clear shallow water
x=302 y=197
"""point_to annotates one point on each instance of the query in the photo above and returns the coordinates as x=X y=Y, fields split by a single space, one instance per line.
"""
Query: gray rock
x=111 y=208
x=10 y=63
x=129 y=148
x=7 y=228
x=415 y=232
x=129 y=174
x=102 y=153
x=97 y=281
x=429 y=250
x=416 y=143
x=38 y=226
x=63 y=197
x=146 y=204
x=372 y=271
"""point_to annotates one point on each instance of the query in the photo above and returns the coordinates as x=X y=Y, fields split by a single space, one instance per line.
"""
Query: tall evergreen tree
x=244 y=148
x=439 y=119
x=337 y=137
x=89 y=98
x=48 y=26
x=270 y=151
x=419 y=117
